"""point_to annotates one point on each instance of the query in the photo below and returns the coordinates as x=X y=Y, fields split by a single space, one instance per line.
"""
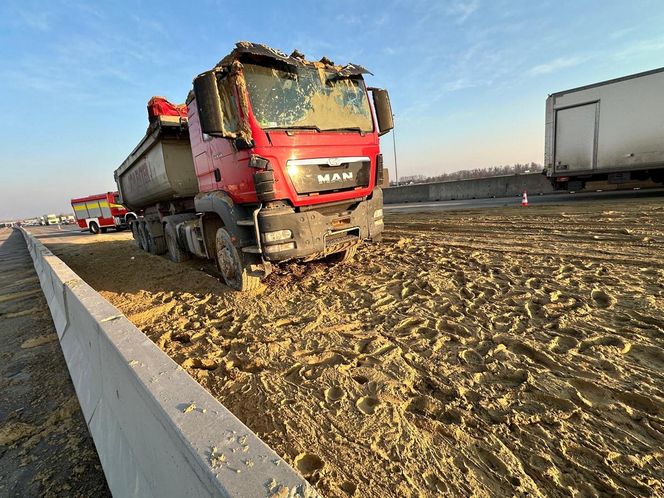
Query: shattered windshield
x=307 y=98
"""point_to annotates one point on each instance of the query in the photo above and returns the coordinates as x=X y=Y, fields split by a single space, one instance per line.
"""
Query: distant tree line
x=471 y=174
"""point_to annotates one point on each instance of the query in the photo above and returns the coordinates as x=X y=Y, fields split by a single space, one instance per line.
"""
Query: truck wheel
x=134 y=231
x=343 y=256
x=93 y=227
x=157 y=245
x=142 y=239
x=231 y=264
x=175 y=252
x=154 y=238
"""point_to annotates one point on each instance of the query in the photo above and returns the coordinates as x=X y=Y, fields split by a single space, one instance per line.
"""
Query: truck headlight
x=378 y=213
x=277 y=235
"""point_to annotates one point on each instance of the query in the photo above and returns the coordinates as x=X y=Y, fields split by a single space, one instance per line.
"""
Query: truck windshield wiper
x=347 y=128
x=302 y=127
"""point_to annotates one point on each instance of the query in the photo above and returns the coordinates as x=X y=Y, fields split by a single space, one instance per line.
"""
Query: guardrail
x=157 y=431
x=480 y=188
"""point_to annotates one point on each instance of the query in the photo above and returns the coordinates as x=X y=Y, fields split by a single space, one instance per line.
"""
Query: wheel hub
x=226 y=264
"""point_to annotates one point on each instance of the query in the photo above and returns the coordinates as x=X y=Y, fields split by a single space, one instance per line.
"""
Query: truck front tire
x=343 y=256
x=232 y=265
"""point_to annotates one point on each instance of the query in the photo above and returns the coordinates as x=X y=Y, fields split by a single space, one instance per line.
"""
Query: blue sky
x=468 y=79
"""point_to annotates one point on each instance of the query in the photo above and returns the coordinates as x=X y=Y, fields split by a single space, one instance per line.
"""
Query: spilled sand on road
x=481 y=353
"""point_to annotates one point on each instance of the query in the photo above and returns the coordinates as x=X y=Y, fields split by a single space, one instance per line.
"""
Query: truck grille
x=329 y=174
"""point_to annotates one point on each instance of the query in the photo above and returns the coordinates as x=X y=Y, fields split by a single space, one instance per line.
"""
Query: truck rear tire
x=232 y=265
x=141 y=240
x=157 y=245
x=175 y=252
x=94 y=227
x=154 y=238
x=134 y=232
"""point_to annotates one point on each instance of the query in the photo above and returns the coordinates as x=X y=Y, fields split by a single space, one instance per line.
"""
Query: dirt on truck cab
x=278 y=159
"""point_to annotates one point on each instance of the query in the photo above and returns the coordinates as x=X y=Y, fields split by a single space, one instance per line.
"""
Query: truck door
x=576 y=138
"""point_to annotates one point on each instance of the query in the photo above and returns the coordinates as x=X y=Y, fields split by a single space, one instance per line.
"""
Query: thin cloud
x=349 y=19
x=461 y=84
x=463 y=10
x=40 y=21
x=641 y=46
x=555 y=65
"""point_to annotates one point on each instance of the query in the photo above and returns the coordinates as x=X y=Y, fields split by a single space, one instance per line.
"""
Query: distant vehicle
x=100 y=212
x=50 y=219
x=273 y=158
x=611 y=131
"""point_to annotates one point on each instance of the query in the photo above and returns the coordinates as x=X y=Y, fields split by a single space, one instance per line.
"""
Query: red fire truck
x=100 y=212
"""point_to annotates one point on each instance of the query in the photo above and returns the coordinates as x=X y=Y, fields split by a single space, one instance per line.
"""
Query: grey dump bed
x=613 y=126
x=159 y=169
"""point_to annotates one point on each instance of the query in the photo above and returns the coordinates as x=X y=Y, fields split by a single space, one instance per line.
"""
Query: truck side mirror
x=209 y=104
x=381 y=100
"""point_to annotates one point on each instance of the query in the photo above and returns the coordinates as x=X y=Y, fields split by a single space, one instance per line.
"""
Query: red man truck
x=100 y=212
x=278 y=158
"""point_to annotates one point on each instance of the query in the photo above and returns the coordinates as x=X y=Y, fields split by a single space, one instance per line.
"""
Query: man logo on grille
x=335 y=177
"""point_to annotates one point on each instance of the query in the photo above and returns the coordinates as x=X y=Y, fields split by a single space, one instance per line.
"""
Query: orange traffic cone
x=524 y=199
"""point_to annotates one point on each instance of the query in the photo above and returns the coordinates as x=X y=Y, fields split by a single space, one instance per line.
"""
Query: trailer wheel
x=93 y=227
x=232 y=265
x=343 y=256
x=175 y=252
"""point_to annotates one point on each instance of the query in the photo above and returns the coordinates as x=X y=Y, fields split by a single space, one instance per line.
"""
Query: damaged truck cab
x=287 y=164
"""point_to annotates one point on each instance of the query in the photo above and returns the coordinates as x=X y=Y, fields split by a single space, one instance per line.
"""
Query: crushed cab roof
x=244 y=49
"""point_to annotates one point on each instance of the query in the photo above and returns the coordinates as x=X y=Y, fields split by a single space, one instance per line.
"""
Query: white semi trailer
x=610 y=131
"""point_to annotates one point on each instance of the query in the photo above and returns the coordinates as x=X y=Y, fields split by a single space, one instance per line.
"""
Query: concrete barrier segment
x=480 y=188
x=157 y=431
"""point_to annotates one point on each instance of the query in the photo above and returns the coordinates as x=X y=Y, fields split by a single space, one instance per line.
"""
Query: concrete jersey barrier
x=157 y=431
x=496 y=186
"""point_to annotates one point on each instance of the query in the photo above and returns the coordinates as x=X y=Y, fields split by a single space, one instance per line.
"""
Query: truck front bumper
x=288 y=234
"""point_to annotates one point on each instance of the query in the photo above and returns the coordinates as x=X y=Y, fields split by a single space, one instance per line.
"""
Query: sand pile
x=479 y=353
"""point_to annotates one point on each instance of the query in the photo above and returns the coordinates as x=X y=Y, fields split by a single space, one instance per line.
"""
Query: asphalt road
x=617 y=195
x=45 y=447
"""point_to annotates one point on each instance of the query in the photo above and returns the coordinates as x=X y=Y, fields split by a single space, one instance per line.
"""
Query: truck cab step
x=252 y=249
x=245 y=223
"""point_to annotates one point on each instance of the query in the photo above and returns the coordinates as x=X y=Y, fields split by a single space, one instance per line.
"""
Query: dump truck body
x=160 y=169
x=612 y=131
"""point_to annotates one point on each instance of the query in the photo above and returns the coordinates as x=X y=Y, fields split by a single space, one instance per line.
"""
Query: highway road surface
x=45 y=447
